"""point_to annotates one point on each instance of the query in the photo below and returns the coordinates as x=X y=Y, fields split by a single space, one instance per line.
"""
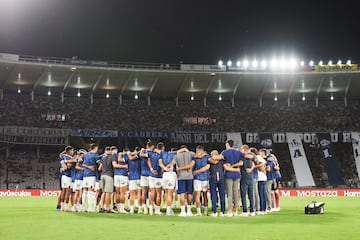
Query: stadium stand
x=19 y=110
x=29 y=171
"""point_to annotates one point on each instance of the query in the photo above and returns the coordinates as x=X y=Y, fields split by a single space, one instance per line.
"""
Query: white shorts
x=144 y=181
x=89 y=182
x=155 y=182
x=201 y=186
x=121 y=181
x=78 y=185
x=65 y=181
x=134 y=185
x=169 y=180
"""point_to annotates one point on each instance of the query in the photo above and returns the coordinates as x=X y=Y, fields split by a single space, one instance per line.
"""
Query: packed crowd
x=163 y=115
x=152 y=176
x=26 y=170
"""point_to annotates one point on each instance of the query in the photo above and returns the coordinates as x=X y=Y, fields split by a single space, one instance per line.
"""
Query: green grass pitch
x=36 y=218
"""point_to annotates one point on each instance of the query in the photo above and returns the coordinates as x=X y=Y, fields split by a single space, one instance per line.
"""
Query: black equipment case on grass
x=315 y=208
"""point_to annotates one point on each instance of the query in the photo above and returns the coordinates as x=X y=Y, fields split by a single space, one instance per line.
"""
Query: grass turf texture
x=36 y=218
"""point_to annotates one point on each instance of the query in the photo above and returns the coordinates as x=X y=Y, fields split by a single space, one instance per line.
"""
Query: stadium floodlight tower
x=220 y=63
x=229 y=63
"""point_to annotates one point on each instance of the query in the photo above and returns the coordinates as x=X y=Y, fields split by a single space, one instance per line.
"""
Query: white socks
x=182 y=209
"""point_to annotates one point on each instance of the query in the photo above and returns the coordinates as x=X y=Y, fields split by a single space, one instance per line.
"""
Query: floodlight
x=282 y=64
x=274 y=63
x=263 y=63
x=254 y=64
x=246 y=63
x=293 y=63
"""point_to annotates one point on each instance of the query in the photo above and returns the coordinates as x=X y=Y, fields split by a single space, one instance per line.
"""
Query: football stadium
x=228 y=120
x=56 y=111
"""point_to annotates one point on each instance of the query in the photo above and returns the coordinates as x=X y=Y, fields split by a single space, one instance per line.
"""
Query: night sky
x=171 y=31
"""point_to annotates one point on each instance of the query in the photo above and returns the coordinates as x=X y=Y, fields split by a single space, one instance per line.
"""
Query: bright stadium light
x=274 y=63
x=302 y=63
x=332 y=97
x=238 y=64
x=283 y=64
x=220 y=98
x=293 y=63
x=107 y=95
x=136 y=96
x=192 y=98
x=19 y=90
x=311 y=63
x=321 y=63
x=275 y=98
x=330 y=62
x=254 y=64
x=348 y=62
x=229 y=63
x=339 y=62
x=220 y=63
x=263 y=64
x=49 y=92
x=303 y=97
x=246 y=63
x=79 y=94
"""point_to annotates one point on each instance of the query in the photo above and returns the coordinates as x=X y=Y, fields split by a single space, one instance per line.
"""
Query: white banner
x=192 y=67
x=355 y=137
x=236 y=137
x=9 y=57
x=214 y=68
x=29 y=131
x=299 y=160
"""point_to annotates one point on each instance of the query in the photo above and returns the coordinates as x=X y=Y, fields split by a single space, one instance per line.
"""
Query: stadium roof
x=41 y=75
